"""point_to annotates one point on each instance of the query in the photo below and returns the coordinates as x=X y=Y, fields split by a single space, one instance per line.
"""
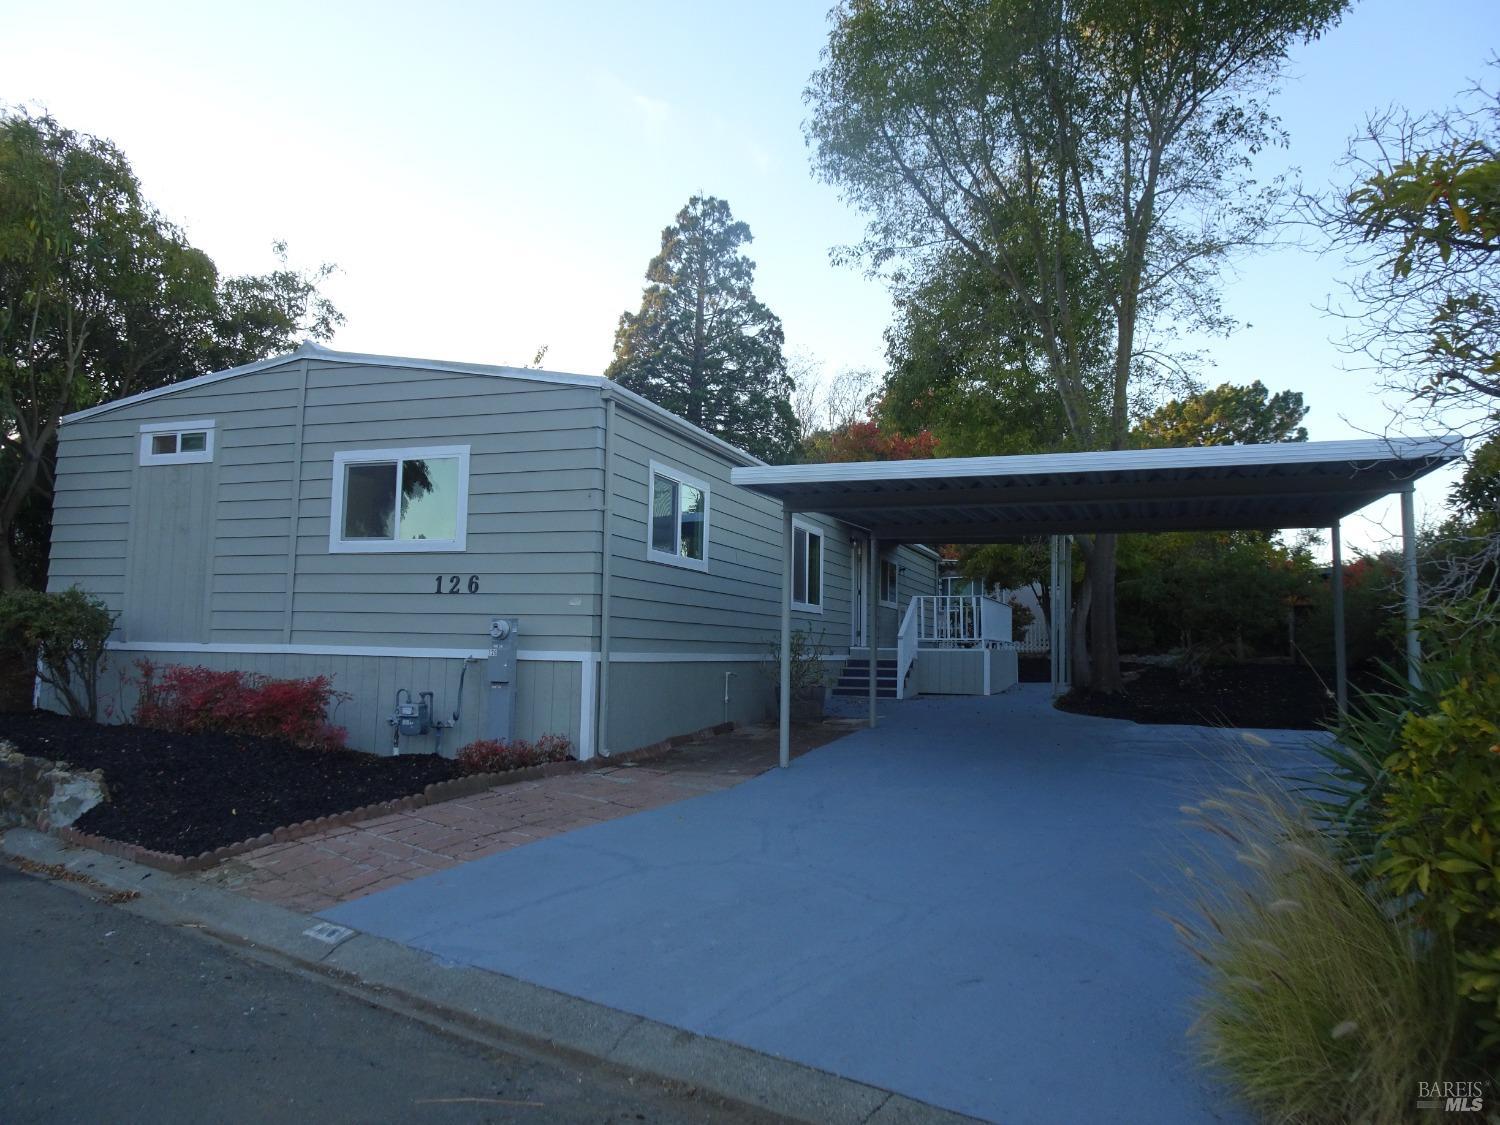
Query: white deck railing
x=906 y=647
x=963 y=621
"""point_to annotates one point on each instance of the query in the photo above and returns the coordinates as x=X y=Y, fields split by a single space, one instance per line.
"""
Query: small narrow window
x=177 y=443
x=890 y=577
x=400 y=500
x=678 y=519
x=807 y=568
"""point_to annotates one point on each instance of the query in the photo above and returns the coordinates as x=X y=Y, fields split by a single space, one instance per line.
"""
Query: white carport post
x=1062 y=614
x=872 y=609
x=1409 y=561
x=785 y=695
x=1340 y=651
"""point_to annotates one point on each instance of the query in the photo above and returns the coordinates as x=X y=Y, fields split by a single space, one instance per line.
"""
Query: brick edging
x=433 y=794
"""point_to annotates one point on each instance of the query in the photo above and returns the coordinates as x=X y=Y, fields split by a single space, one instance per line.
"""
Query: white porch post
x=1413 y=606
x=1340 y=653
x=872 y=608
x=786 y=637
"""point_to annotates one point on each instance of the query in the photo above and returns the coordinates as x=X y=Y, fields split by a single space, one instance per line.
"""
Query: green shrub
x=67 y=631
x=809 y=672
x=1414 y=800
x=1440 y=817
x=1323 y=1003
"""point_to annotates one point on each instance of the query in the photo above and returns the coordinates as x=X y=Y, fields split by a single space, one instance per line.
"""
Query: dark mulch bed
x=188 y=793
x=1281 y=696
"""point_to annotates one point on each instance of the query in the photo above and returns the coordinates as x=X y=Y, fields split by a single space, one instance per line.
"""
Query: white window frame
x=895 y=599
x=338 y=545
x=152 y=430
x=810 y=529
x=679 y=478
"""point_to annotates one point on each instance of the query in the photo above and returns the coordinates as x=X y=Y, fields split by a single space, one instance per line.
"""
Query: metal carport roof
x=1206 y=488
x=1209 y=488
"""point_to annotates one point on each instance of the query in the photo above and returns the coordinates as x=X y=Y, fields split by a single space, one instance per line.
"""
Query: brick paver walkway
x=346 y=862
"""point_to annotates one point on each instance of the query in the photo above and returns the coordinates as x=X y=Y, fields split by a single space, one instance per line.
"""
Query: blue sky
x=491 y=178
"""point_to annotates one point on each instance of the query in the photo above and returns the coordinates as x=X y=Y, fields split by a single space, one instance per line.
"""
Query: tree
x=867 y=440
x=1422 y=220
x=1038 y=138
x=963 y=364
x=702 y=345
x=101 y=296
x=1226 y=415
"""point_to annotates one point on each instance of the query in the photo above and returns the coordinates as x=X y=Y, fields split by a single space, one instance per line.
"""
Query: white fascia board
x=1446 y=447
x=185 y=385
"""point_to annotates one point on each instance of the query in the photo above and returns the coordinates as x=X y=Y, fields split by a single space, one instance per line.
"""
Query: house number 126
x=454 y=584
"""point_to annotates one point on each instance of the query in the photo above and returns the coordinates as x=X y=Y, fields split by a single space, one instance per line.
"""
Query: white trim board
x=534 y=655
x=540 y=656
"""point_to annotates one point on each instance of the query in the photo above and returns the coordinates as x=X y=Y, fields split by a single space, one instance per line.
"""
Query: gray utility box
x=500 y=673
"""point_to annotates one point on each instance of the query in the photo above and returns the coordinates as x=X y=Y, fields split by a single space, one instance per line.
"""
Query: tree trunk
x=1104 y=647
x=1082 y=667
x=8 y=579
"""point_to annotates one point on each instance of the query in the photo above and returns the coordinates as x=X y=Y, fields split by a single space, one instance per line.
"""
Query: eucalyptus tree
x=1035 y=136
x=702 y=344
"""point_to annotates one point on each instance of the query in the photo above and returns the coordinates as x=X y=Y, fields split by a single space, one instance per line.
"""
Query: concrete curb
x=488 y=1006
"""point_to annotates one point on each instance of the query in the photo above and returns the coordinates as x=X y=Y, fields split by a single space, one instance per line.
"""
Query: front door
x=859 y=604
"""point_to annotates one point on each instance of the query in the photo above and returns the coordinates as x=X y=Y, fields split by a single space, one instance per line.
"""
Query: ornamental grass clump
x=1322 y=1001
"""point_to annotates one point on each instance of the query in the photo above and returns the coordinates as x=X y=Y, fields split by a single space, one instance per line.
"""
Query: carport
x=1268 y=487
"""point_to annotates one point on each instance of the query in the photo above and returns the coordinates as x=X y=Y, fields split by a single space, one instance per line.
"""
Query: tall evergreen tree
x=702 y=345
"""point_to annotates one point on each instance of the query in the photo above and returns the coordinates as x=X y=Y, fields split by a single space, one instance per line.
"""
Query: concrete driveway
x=960 y=905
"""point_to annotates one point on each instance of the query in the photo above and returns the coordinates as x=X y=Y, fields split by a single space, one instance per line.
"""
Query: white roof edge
x=310 y=350
x=1443 y=447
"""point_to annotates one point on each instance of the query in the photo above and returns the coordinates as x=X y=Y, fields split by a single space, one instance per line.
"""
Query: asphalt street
x=109 y=1017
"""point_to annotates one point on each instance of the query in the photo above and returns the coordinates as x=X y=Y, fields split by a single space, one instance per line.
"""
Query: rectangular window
x=678 y=532
x=890 y=577
x=400 y=499
x=177 y=443
x=807 y=568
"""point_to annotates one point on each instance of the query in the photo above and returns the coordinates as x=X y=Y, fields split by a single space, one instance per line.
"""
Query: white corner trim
x=588 y=691
x=337 y=545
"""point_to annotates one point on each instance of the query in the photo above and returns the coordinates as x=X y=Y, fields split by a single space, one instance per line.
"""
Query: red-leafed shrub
x=193 y=699
x=490 y=755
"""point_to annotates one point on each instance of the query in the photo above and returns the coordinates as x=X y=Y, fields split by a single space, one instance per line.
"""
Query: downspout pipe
x=606 y=567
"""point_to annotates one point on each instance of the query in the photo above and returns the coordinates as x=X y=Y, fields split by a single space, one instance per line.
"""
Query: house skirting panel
x=653 y=699
x=549 y=695
x=966 y=671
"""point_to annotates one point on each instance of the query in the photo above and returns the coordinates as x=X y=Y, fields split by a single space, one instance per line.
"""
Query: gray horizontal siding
x=535 y=490
x=733 y=607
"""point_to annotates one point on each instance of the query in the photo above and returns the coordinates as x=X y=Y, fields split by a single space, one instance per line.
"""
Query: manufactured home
x=466 y=550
